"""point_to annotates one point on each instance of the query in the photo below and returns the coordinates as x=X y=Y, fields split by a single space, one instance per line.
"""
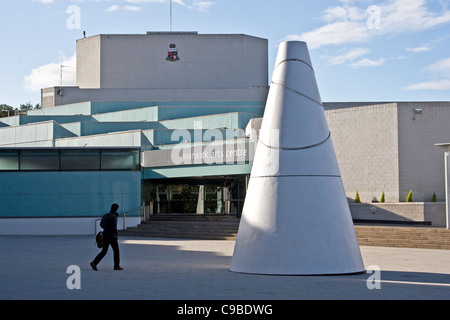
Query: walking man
x=109 y=225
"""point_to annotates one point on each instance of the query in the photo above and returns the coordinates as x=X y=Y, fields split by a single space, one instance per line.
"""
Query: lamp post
x=61 y=82
x=170 y=15
x=445 y=147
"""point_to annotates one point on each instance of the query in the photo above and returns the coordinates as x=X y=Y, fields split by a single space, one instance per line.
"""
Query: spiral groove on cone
x=296 y=218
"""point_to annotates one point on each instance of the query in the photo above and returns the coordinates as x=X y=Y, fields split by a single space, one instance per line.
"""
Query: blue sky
x=362 y=50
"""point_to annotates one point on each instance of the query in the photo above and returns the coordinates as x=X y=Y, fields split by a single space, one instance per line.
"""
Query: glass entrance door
x=223 y=195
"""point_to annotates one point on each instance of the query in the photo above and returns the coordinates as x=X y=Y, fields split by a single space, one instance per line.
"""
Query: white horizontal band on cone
x=296 y=219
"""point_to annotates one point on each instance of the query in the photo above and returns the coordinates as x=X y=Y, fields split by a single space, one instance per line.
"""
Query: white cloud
x=432 y=85
x=112 y=8
x=418 y=49
x=343 y=13
x=440 y=69
x=146 y=1
x=368 y=63
x=410 y=16
x=335 y=33
x=44 y=1
x=442 y=66
x=132 y=8
x=349 y=24
x=49 y=75
x=201 y=6
x=348 y=56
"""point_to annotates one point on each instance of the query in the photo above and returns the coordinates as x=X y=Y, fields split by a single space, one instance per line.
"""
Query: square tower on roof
x=171 y=60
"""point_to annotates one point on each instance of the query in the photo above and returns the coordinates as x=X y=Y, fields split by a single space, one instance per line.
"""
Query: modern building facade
x=171 y=121
x=139 y=68
x=156 y=119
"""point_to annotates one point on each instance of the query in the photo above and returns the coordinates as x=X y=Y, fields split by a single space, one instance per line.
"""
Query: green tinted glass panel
x=39 y=160
x=9 y=160
x=80 y=160
x=120 y=160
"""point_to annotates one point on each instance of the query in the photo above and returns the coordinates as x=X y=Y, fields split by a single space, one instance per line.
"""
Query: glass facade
x=224 y=194
x=9 y=160
x=70 y=160
x=39 y=160
x=215 y=195
x=120 y=160
x=73 y=160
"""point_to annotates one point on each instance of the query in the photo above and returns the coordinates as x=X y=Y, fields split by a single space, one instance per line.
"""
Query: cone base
x=296 y=225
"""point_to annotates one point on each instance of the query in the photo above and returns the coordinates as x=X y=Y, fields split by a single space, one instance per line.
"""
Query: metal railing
x=124 y=217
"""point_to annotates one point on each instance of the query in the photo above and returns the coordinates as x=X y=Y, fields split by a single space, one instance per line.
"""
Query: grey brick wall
x=389 y=147
x=366 y=146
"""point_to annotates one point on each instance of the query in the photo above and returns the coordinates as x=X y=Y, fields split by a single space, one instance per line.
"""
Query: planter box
x=433 y=212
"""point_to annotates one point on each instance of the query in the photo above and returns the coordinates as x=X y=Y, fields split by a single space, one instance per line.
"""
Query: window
x=69 y=159
x=45 y=160
x=120 y=160
x=9 y=160
x=80 y=160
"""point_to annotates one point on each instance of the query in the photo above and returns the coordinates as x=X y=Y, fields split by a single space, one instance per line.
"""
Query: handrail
x=95 y=227
x=123 y=218
x=140 y=208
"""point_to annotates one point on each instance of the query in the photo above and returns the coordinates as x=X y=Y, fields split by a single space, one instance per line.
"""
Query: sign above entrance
x=237 y=153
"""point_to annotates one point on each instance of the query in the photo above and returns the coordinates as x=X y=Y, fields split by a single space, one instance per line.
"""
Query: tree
x=382 y=199
x=29 y=106
x=409 y=197
x=357 y=199
x=6 y=110
x=26 y=106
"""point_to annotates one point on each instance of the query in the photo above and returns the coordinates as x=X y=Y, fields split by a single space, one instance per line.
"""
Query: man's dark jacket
x=109 y=225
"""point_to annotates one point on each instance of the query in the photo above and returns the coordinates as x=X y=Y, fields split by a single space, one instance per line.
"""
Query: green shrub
x=434 y=199
x=357 y=199
x=382 y=199
x=409 y=197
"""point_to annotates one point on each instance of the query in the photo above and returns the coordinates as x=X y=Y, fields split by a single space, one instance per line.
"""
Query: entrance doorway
x=215 y=195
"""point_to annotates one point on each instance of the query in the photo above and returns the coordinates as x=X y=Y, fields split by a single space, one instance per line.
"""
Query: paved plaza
x=36 y=268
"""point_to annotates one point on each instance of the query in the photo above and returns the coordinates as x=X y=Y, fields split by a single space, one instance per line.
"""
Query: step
x=187 y=226
x=219 y=227
x=186 y=231
x=181 y=235
x=193 y=217
x=208 y=227
x=406 y=237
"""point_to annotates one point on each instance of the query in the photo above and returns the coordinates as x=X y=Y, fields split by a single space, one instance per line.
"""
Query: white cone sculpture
x=296 y=219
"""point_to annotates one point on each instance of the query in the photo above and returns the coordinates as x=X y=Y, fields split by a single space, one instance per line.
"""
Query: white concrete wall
x=133 y=138
x=88 y=62
x=74 y=95
x=32 y=135
x=139 y=61
x=433 y=212
x=59 y=226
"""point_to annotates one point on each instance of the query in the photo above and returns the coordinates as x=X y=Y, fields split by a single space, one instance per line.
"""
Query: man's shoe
x=118 y=268
x=94 y=266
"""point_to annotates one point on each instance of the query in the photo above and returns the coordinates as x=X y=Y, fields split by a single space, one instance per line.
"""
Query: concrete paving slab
x=162 y=269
